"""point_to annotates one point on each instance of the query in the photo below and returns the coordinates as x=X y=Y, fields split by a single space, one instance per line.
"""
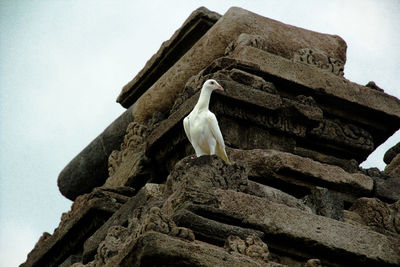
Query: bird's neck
x=204 y=100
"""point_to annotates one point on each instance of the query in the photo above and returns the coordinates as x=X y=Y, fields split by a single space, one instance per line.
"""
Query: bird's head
x=212 y=85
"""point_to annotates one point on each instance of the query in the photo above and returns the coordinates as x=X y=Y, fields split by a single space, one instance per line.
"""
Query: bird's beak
x=220 y=88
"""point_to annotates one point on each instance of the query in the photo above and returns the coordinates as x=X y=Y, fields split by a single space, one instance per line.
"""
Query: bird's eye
x=212 y=82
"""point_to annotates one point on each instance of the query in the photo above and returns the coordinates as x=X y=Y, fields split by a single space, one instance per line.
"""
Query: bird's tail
x=222 y=154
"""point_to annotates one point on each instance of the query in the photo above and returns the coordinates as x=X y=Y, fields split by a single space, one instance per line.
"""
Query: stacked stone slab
x=296 y=131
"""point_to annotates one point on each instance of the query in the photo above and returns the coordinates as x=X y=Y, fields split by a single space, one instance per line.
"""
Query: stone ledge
x=284 y=40
x=328 y=236
x=296 y=169
x=378 y=104
x=201 y=203
x=150 y=193
x=88 y=213
x=154 y=249
x=194 y=27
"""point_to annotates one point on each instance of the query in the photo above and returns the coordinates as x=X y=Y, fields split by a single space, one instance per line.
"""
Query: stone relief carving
x=313 y=263
x=320 y=60
x=373 y=85
x=134 y=139
x=157 y=221
x=272 y=120
x=223 y=69
x=245 y=39
x=378 y=215
x=116 y=239
x=252 y=80
x=307 y=100
x=253 y=247
x=341 y=132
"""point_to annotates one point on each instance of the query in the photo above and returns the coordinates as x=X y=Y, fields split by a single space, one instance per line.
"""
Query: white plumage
x=201 y=125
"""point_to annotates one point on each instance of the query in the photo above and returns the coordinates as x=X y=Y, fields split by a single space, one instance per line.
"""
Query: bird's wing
x=216 y=132
x=186 y=127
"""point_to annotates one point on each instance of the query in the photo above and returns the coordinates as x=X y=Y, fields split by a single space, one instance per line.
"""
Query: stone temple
x=296 y=131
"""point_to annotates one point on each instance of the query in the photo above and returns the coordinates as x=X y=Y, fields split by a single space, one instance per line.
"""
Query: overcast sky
x=63 y=63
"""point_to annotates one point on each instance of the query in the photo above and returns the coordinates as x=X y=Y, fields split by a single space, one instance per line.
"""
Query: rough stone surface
x=391 y=153
x=283 y=40
x=149 y=195
x=252 y=246
x=155 y=249
x=275 y=195
x=70 y=261
x=278 y=221
x=326 y=203
x=378 y=215
x=317 y=80
x=313 y=263
x=169 y=53
x=274 y=120
x=87 y=214
x=393 y=168
x=266 y=119
x=387 y=189
x=268 y=164
x=326 y=234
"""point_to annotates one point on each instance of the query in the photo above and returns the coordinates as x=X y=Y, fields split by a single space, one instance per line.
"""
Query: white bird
x=201 y=125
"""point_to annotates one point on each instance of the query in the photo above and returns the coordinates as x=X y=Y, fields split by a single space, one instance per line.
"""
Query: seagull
x=201 y=125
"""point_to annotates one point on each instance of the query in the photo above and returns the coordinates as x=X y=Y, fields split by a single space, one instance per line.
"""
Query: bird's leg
x=198 y=151
x=212 y=147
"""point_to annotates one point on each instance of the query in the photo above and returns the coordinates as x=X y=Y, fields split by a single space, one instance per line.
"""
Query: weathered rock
x=42 y=239
x=263 y=130
x=343 y=91
x=350 y=166
x=134 y=143
x=89 y=168
x=252 y=246
x=87 y=214
x=326 y=203
x=313 y=263
x=275 y=195
x=157 y=221
x=387 y=189
x=131 y=171
x=373 y=85
x=375 y=173
x=194 y=27
x=70 y=261
x=198 y=203
x=393 y=168
x=391 y=153
x=282 y=39
x=112 y=244
x=329 y=236
x=155 y=249
x=149 y=196
x=204 y=222
x=378 y=215
x=268 y=165
x=113 y=248
x=286 y=124
x=209 y=171
x=320 y=60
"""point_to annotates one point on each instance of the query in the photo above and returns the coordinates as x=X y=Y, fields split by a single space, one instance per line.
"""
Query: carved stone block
x=87 y=214
x=282 y=39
